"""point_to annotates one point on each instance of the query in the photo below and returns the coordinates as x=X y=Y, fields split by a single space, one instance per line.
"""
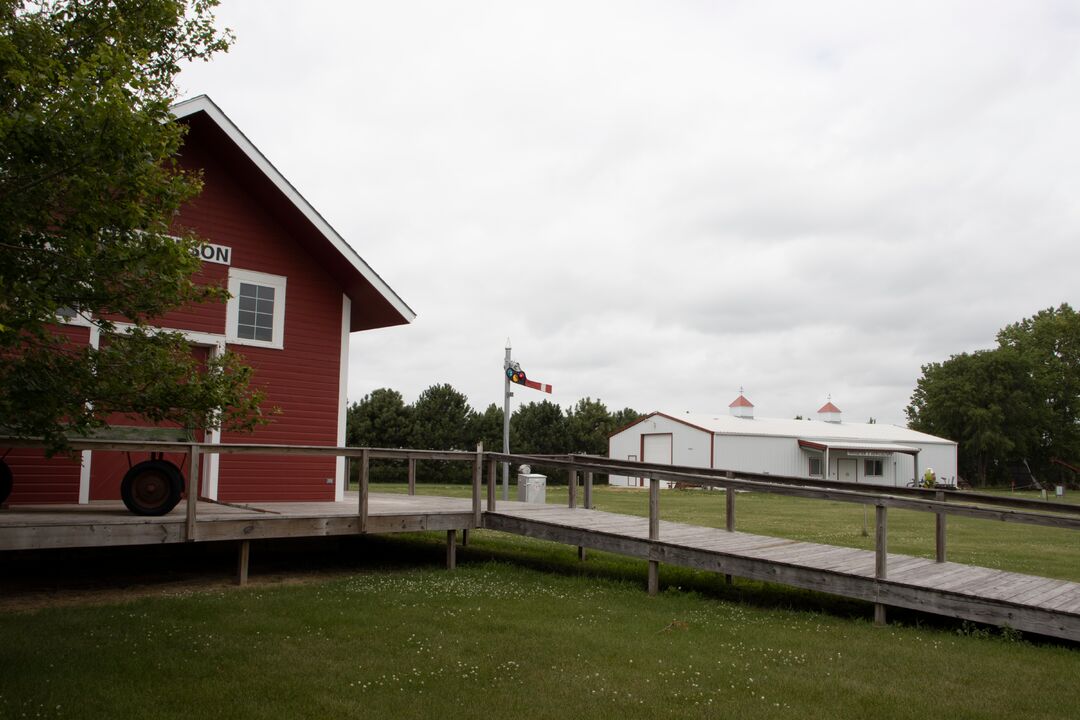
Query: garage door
x=656 y=448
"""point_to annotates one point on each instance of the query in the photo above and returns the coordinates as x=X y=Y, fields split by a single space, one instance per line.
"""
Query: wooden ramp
x=1024 y=602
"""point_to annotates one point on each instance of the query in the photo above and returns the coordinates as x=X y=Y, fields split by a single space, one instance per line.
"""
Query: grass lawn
x=544 y=637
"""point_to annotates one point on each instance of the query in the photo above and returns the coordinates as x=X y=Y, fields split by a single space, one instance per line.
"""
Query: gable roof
x=828 y=408
x=374 y=303
x=811 y=429
x=830 y=433
x=741 y=401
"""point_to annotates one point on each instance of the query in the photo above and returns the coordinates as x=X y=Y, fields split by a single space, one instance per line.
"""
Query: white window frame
x=866 y=468
x=810 y=467
x=232 y=308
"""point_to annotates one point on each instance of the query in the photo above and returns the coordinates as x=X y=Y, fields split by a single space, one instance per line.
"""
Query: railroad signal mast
x=513 y=374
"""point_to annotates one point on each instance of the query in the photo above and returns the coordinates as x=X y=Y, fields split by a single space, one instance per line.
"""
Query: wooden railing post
x=492 y=471
x=654 y=533
x=939 y=530
x=571 y=477
x=194 y=460
x=365 y=462
x=478 y=475
x=729 y=520
x=729 y=500
x=588 y=489
x=242 y=561
x=881 y=552
x=412 y=476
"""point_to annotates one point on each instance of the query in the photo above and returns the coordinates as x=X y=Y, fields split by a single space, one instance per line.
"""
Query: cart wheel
x=152 y=487
x=5 y=481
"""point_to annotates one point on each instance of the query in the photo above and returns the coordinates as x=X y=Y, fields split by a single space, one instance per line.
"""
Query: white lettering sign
x=220 y=254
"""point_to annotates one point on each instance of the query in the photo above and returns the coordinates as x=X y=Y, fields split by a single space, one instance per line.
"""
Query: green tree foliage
x=1017 y=402
x=539 y=428
x=380 y=419
x=624 y=417
x=1049 y=342
x=982 y=400
x=487 y=427
x=89 y=189
x=441 y=419
x=588 y=425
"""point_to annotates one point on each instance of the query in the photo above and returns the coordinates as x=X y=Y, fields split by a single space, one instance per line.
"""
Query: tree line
x=442 y=419
x=1012 y=404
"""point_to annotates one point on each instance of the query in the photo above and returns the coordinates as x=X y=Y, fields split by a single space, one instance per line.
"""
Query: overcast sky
x=660 y=202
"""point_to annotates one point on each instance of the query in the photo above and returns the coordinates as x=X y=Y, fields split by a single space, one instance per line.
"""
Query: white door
x=656 y=448
x=847 y=470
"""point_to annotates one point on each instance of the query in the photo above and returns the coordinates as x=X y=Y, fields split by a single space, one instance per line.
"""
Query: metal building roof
x=807 y=429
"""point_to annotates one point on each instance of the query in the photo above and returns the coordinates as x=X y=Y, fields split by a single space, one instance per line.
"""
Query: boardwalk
x=1024 y=602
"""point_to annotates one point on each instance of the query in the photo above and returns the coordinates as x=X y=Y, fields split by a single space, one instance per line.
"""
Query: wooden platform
x=105 y=523
x=1024 y=602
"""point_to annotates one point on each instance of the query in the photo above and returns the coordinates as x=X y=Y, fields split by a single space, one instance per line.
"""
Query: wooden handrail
x=941 y=503
x=1016 y=503
x=860 y=496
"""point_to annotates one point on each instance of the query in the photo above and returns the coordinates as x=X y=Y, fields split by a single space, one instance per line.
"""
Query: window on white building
x=815 y=467
x=255 y=314
x=873 y=468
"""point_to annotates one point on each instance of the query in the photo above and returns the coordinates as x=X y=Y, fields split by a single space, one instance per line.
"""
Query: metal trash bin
x=532 y=488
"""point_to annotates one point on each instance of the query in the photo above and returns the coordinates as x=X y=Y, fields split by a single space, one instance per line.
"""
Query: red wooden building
x=298 y=291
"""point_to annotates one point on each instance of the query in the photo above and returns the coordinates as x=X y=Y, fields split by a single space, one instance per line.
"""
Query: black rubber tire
x=6 y=480
x=152 y=487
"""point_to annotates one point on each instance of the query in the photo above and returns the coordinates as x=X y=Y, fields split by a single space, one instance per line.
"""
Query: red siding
x=300 y=380
x=40 y=480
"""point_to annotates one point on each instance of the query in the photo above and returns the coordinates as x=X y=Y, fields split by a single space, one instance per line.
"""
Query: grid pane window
x=815 y=466
x=255 y=320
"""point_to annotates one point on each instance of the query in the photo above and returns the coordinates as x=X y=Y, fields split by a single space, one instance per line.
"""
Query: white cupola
x=740 y=407
x=829 y=412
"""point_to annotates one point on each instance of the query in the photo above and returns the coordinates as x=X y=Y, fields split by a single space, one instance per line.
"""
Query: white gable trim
x=202 y=103
x=341 y=476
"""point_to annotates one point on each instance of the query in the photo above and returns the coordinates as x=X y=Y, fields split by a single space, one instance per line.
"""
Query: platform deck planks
x=105 y=523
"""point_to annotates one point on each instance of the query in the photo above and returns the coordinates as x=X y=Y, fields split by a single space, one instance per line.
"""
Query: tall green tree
x=487 y=427
x=588 y=425
x=1049 y=342
x=89 y=190
x=986 y=402
x=624 y=417
x=380 y=419
x=442 y=419
x=539 y=428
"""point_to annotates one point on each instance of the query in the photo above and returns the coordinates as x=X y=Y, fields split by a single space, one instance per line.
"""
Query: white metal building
x=827 y=448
